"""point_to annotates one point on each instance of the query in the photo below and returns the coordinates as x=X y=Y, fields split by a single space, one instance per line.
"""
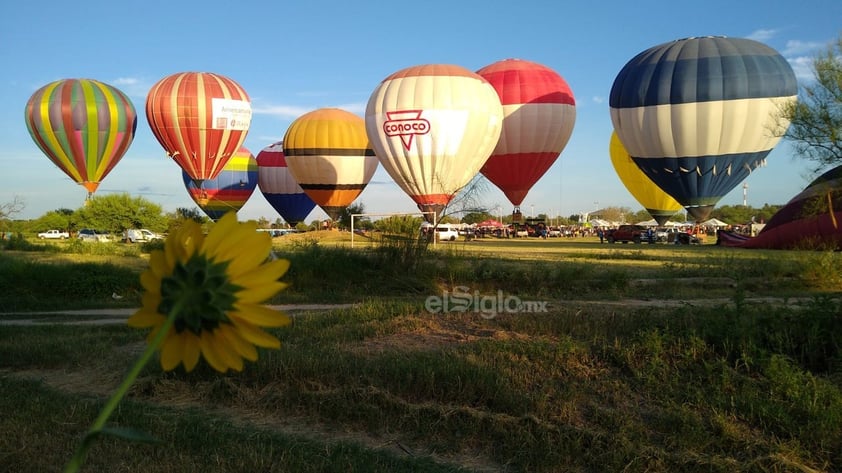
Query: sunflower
x=206 y=291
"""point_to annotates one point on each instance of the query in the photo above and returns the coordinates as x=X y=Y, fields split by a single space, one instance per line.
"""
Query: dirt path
x=119 y=316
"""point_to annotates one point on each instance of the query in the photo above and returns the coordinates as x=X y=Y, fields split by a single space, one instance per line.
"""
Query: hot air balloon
x=698 y=115
x=810 y=220
x=84 y=126
x=279 y=187
x=200 y=119
x=660 y=205
x=229 y=190
x=539 y=114
x=433 y=127
x=328 y=154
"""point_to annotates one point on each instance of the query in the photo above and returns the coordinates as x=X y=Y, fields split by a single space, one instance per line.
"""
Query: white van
x=444 y=231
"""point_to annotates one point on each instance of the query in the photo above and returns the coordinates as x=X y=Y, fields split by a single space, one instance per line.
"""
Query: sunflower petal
x=255 y=335
x=150 y=282
x=145 y=318
x=266 y=273
x=222 y=233
x=259 y=315
x=254 y=250
x=206 y=344
x=254 y=295
x=159 y=264
x=227 y=352
x=171 y=352
x=243 y=348
x=191 y=351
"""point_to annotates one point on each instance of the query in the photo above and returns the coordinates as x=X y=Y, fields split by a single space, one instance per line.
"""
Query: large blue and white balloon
x=698 y=115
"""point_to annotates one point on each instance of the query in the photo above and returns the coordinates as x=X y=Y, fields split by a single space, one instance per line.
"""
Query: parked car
x=630 y=233
x=134 y=235
x=87 y=234
x=444 y=231
x=53 y=235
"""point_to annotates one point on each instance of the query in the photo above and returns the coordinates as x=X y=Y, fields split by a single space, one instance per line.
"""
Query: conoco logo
x=406 y=124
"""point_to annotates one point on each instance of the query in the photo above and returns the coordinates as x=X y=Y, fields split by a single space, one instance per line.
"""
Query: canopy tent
x=715 y=223
x=598 y=222
x=648 y=223
x=490 y=223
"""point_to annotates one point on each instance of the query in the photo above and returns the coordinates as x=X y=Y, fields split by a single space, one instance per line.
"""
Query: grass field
x=635 y=358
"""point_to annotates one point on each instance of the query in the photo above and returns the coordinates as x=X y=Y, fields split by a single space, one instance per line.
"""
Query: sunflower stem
x=81 y=452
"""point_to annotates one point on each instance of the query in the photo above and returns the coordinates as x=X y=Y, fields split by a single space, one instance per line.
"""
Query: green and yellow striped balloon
x=84 y=126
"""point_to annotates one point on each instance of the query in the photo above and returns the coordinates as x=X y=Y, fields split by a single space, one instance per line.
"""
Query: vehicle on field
x=636 y=234
x=443 y=231
x=88 y=234
x=53 y=235
x=135 y=235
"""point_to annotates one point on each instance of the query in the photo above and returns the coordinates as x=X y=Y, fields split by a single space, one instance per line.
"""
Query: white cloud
x=762 y=35
x=795 y=47
x=285 y=111
x=803 y=68
x=598 y=99
x=295 y=111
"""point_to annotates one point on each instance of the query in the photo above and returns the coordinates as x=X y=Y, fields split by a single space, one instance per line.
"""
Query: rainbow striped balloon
x=84 y=126
x=229 y=190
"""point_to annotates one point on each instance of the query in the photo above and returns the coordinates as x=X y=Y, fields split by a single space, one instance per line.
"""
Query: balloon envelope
x=433 y=127
x=279 y=187
x=539 y=112
x=810 y=220
x=328 y=153
x=200 y=119
x=83 y=126
x=229 y=190
x=698 y=115
x=660 y=205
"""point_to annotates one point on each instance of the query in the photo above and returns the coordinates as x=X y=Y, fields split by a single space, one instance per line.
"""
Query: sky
x=293 y=57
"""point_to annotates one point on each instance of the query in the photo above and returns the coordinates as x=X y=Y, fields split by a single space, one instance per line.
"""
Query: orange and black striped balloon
x=329 y=155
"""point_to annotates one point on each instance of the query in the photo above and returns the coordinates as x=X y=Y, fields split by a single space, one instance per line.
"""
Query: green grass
x=593 y=384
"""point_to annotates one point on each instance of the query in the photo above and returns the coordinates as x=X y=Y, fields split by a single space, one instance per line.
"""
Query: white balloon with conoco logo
x=432 y=127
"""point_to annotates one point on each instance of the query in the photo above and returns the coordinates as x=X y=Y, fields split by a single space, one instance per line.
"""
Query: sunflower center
x=204 y=292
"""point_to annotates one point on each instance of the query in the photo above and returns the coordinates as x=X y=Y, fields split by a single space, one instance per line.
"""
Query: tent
x=490 y=223
x=715 y=223
x=648 y=223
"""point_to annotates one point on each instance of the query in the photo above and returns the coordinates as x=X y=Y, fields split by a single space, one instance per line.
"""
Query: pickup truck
x=53 y=235
x=630 y=233
x=134 y=235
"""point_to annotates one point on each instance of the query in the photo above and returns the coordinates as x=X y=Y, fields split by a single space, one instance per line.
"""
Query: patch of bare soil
x=432 y=334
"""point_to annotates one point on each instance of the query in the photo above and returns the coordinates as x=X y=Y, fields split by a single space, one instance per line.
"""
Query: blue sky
x=294 y=57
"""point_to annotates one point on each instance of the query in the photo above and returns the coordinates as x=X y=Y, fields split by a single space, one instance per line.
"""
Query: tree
x=60 y=219
x=477 y=217
x=466 y=200
x=399 y=225
x=614 y=214
x=117 y=212
x=345 y=216
x=9 y=209
x=183 y=213
x=815 y=129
